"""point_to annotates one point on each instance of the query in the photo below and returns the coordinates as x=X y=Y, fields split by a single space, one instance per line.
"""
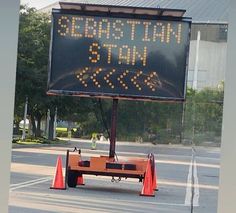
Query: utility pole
x=25 y=116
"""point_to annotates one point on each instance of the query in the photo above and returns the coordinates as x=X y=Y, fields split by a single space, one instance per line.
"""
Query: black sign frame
x=53 y=91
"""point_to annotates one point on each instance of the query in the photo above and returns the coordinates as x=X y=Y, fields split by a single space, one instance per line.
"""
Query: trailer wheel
x=72 y=178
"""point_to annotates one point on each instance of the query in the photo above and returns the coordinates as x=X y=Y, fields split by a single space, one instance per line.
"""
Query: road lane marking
x=59 y=202
x=18 y=156
x=192 y=189
x=181 y=184
x=160 y=182
x=26 y=182
x=189 y=186
x=29 y=156
x=187 y=163
x=32 y=169
x=196 y=185
x=29 y=183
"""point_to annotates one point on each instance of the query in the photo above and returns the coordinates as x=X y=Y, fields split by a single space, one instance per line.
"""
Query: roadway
x=187 y=181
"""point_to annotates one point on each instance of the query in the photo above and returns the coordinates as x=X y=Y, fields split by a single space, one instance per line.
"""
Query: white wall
x=9 y=17
x=212 y=63
x=227 y=192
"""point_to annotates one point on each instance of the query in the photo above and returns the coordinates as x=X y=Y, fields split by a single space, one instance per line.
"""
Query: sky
x=38 y=4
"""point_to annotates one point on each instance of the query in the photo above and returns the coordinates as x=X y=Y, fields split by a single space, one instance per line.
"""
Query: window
x=223 y=30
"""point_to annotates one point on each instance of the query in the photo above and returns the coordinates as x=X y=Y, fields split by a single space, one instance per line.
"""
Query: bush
x=15 y=140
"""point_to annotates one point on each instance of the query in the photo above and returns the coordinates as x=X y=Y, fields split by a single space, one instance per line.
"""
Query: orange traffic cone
x=154 y=181
x=58 y=181
x=80 y=180
x=147 y=189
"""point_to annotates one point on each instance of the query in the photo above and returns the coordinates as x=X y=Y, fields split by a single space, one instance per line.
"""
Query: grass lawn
x=32 y=141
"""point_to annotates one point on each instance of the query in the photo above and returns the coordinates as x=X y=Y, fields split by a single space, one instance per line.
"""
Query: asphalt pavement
x=187 y=181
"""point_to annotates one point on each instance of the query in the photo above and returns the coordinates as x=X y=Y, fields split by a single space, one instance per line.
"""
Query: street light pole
x=195 y=73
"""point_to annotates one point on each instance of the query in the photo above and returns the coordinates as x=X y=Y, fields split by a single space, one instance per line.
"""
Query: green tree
x=203 y=114
x=31 y=78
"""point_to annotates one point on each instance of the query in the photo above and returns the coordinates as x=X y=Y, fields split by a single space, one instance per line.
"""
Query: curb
x=18 y=146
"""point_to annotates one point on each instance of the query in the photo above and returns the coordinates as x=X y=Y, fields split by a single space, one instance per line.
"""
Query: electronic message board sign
x=118 y=56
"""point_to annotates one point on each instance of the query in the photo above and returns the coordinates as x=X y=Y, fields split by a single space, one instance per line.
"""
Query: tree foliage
x=203 y=114
x=31 y=77
x=32 y=70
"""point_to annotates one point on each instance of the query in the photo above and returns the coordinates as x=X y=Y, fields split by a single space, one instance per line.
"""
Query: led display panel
x=118 y=57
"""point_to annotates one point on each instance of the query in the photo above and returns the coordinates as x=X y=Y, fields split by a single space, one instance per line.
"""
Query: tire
x=72 y=178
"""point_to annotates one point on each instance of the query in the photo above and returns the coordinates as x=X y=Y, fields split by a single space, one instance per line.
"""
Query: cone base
x=143 y=195
x=58 y=188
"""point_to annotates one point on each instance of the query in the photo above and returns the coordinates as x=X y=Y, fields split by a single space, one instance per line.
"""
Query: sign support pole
x=113 y=128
